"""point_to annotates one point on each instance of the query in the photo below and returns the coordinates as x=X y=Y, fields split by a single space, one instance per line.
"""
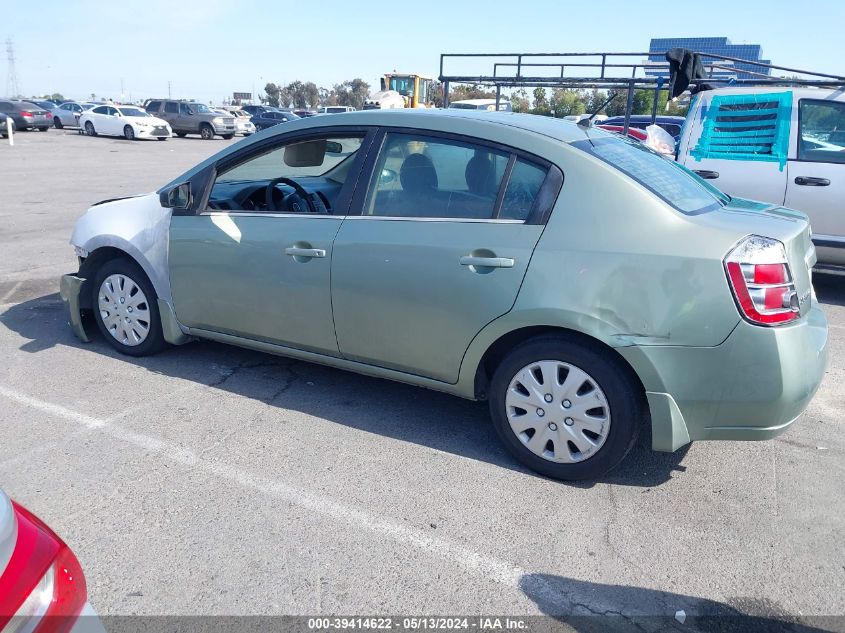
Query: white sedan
x=127 y=121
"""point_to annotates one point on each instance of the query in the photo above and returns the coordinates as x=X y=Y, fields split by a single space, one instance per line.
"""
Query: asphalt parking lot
x=214 y=480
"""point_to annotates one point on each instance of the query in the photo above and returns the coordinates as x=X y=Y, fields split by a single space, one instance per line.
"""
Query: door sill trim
x=331 y=361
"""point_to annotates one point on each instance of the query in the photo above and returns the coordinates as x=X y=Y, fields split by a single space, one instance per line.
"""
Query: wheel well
x=89 y=266
x=504 y=344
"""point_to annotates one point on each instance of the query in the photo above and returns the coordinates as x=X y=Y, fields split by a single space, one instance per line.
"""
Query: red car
x=634 y=133
x=42 y=587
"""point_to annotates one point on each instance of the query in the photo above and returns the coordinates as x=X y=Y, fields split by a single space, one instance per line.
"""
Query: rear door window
x=171 y=107
x=419 y=176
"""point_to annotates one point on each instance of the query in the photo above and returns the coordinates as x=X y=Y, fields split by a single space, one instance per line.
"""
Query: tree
x=471 y=91
x=541 y=105
x=566 y=102
x=519 y=101
x=272 y=92
x=352 y=92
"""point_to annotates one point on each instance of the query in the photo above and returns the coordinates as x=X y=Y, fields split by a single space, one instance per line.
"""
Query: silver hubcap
x=558 y=411
x=124 y=310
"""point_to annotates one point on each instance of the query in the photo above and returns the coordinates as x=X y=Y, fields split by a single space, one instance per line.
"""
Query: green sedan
x=583 y=285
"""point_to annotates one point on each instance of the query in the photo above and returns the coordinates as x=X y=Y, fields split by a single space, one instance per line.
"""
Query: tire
x=58 y=123
x=228 y=136
x=89 y=129
x=206 y=132
x=161 y=138
x=129 y=133
x=614 y=420
x=43 y=129
x=181 y=134
x=110 y=313
x=258 y=128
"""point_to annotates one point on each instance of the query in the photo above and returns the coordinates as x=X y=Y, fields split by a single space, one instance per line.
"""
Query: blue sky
x=208 y=48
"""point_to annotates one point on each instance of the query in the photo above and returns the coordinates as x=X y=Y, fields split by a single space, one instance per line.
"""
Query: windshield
x=132 y=112
x=664 y=177
x=403 y=85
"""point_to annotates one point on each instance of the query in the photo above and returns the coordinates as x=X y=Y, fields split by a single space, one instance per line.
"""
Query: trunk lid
x=792 y=228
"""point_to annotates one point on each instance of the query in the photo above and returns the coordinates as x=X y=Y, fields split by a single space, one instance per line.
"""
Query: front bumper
x=751 y=387
x=223 y=129
x=152 y=132
x=69 y=288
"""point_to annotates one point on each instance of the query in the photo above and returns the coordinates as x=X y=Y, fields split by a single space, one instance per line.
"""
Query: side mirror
x=176 y=197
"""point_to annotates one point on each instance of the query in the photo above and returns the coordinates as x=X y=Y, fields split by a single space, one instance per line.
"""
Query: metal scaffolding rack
x=617 y=71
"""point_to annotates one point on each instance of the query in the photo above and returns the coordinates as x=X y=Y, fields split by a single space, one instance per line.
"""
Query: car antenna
x=589 y=120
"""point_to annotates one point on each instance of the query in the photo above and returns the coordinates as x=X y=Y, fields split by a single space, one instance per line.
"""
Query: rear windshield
x=662 y=176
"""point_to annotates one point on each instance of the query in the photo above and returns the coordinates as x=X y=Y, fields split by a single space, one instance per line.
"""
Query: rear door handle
x=487 y=262
x=707 y=174
x=295 y=251
x=810 y=181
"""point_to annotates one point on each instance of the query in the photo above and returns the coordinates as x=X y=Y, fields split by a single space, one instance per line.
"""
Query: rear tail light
x=42 y=589
x=27 y=114
x=761 y=281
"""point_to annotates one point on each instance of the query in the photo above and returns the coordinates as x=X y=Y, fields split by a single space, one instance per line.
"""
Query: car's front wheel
x=564 y=408
x=126 y=309
x=206 y=131
x=129 y=133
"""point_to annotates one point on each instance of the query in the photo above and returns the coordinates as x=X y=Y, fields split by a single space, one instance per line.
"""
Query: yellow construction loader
x=402 y=91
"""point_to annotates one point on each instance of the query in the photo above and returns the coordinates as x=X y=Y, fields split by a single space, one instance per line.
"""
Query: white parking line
x=11 y=292
x=489 y=567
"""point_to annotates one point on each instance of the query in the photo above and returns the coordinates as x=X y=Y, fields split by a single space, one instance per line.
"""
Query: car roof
x=455 y=119
x=472 y=123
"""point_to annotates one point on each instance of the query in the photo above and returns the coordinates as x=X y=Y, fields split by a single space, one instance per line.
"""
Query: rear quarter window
x=663 y=177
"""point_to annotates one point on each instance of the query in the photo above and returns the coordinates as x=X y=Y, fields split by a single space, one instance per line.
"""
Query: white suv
x=775 y=144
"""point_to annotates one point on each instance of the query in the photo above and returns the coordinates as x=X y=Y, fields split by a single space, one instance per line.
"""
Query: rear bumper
x=751 y=387
x=88 y=621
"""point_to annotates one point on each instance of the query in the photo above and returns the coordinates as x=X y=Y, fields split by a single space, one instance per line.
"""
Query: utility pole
x=168 y=90
x=122 y=93
x=12 y=88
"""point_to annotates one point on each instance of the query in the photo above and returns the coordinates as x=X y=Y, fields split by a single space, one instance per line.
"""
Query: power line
x=12 y=89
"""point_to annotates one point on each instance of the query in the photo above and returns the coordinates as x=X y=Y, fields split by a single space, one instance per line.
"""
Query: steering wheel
x=299 y=189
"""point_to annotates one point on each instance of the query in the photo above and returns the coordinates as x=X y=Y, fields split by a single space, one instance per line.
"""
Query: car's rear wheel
x=89 y=129
x=206 y=132
x=181 y=134
x=43 y=129
x=129 y=133
x=565 y=409
x=126 y=308
x=58 y=123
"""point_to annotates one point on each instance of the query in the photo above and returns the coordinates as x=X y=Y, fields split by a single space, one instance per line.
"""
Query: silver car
x=67 y=114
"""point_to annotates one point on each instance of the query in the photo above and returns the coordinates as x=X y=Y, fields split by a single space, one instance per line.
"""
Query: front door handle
x=810 y=181
x=295 y=251
x=706 y=174
x=487 y=262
